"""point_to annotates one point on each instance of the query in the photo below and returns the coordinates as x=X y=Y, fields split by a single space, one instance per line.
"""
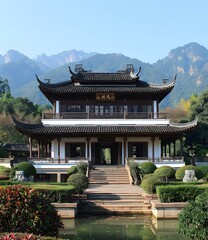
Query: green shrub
x=193 y=219
x=28 y=168
x=4 y=173
x=178 y=193
x=148 y=183
x=82 y=167
x=181 y=172
x=134 y=171
x=72 y=170
x=79 y=181
x=147 y=168
x=23 y=209
x=203 y=169
x=165 y=172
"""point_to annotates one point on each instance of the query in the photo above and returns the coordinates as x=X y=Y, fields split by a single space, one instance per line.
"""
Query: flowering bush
x=23 y=209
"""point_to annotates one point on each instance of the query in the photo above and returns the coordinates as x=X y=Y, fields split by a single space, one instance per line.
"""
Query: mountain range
x=189 y=62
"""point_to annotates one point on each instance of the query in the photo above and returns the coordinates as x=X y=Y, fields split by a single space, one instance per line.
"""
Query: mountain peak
x=13 y=55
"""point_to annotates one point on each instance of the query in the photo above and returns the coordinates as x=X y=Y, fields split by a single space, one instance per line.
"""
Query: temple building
x=106 y=118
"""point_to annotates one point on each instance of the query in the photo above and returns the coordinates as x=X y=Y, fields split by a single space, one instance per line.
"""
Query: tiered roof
x=122 y=82
x=37 y=130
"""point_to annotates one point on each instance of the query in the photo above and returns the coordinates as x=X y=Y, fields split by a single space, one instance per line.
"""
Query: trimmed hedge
x=177 y=193
x=53 y=192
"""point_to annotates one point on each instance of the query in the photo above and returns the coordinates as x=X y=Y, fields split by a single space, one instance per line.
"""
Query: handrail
x=105 y=115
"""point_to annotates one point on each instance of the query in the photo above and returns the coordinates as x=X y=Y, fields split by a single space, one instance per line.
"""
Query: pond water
x=120 y=227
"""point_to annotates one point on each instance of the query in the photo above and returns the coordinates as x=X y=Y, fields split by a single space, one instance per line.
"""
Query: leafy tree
x=4 y=86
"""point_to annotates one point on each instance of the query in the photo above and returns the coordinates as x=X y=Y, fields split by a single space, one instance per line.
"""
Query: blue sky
x=142 y=29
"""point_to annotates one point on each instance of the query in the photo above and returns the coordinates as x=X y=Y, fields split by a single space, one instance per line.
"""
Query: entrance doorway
x=106 y=153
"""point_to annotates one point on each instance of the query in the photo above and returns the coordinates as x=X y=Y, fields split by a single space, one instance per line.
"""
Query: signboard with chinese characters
x=105 y=96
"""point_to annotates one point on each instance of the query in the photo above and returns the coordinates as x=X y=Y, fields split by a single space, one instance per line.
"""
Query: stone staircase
x=109 y=192
x=108 y=175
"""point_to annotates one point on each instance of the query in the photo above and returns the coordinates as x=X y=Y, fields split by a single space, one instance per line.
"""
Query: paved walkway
x=112 y=188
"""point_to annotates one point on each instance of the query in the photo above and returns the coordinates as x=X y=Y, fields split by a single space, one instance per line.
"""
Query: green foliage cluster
x=4 y=173
x=147 y=168
x=134 y=171
x=82 y=167
x=148 y=183
x=20 y=107
x=79 y=181
x=77 y=177
x=23 y=209
x=72 y=170
x=193 y=219
x=181 y=172
x=165 y=172
x=178 y=193
x=28 y=168
x=57 y=195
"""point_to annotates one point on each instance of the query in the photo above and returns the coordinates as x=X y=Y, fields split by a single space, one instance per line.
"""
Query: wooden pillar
x=88 y=147
x=174 y=148
x=124 y=150
x=169 y=145
x=59 y=150
x=153 y=149
x=38 y=148
x=165 y=149
x=30 y=142
x=181 y=146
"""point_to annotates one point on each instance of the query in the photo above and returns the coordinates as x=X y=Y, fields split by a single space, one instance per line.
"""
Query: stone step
x=114 y=210
x=108 y=196
x=128 y=202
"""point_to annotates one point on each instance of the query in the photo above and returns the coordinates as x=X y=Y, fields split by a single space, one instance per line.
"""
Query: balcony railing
x=103 y=115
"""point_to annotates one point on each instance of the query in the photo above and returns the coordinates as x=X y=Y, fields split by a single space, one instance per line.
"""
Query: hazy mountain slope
x=189 y=62
x=66 y=57
x=18 y=69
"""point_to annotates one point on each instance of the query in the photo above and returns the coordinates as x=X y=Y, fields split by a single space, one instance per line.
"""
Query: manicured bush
x=181 y=172
x=165 y=172
x=178 y=193
x=60 y=196
x=147 y=168
x=72 y=170
x=23 y=209
x=82 y=167
x=79 y=181
x=28 y=168
x=203 y=169
x=148 y=183
x=134 y=171
x=193 y=219
x=4 y=173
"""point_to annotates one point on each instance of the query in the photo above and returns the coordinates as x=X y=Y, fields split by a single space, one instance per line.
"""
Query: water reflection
x=122 y=227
